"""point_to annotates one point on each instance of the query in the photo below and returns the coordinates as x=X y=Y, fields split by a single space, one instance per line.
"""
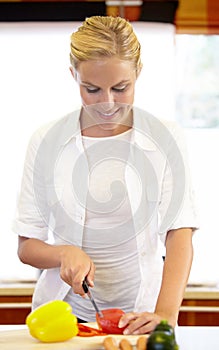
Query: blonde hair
x=105 y=36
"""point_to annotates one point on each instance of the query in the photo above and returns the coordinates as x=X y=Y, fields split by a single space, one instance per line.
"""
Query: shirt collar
x=142 y=134
x=71 y=126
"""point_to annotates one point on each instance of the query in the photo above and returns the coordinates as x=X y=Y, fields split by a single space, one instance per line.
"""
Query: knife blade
x=88 y=292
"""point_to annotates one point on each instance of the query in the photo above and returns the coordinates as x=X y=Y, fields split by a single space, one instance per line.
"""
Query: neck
x=88 y=128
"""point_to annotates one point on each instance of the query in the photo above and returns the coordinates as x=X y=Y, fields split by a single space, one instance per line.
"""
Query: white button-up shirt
x=55 y=187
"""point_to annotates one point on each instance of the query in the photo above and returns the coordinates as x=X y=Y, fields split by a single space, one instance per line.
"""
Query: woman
x=109 y=183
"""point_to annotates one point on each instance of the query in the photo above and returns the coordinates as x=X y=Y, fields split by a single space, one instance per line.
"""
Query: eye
x=92 y=90
x=119 y=88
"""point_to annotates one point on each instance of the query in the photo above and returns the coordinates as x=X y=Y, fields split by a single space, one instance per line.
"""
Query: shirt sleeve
x=177 y=207
x=30 y=221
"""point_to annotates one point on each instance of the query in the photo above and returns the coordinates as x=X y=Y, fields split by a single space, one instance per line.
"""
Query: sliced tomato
x=109 y=322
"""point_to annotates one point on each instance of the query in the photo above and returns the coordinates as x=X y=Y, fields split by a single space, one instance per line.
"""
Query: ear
x=138 y=72
x=73 y=72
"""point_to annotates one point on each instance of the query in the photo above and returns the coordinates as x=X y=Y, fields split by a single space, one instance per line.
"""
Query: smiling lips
x=105 y=115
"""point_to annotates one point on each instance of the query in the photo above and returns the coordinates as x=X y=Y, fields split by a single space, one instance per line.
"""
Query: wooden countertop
x=27 y=288
x=19 y=338
x=188 y=338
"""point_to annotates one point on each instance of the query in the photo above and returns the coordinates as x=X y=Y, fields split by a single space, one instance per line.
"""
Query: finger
x=144 y=329
x=90 y=275
x=140 y=325
x=125 y=345
x=141 y=343
x=77 y=284
x=126 y=319
x=109 y=343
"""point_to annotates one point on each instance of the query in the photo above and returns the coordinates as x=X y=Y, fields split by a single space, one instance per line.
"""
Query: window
x=197 y=110
x=197 y=99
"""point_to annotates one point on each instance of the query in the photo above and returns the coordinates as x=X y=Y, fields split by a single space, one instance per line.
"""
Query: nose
x=107 y=100
x=107 y=96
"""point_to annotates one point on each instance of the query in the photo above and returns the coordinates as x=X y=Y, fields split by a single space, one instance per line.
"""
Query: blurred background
x=179 y=80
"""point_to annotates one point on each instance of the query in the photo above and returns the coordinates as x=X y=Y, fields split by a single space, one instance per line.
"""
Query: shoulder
x=56 y=131
x=162 y=132
x=149 y=121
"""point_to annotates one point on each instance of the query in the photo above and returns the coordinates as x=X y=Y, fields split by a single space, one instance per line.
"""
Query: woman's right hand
x=75 y=266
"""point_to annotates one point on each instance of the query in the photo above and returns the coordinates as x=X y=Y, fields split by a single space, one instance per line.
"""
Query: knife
x=88 y=292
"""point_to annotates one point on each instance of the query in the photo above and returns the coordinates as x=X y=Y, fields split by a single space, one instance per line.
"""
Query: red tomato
x=109 y=322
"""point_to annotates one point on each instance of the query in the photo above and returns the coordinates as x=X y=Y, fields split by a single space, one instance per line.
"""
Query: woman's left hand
x=139 y=323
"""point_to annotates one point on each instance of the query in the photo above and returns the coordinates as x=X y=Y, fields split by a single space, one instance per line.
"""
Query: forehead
x=111 y=69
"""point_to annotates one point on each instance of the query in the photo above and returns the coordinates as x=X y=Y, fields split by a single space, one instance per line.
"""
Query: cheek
x=88 y=99
x=128 y=98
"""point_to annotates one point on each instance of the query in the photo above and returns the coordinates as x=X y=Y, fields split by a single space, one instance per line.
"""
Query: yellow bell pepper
x=52 y=322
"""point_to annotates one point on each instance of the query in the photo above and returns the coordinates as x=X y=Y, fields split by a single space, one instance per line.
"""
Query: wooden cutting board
x=20 y=339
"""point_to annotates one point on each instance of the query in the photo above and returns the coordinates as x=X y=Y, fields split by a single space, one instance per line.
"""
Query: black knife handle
x=85 y=286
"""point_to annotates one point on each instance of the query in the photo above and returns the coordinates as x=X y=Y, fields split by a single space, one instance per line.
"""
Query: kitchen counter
x=202 y=292
x=188 y=338
x=17 y=288
x=200 y=306
x=27 y=288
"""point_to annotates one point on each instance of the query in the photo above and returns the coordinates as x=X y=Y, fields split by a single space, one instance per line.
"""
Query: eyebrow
x=91 y=84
